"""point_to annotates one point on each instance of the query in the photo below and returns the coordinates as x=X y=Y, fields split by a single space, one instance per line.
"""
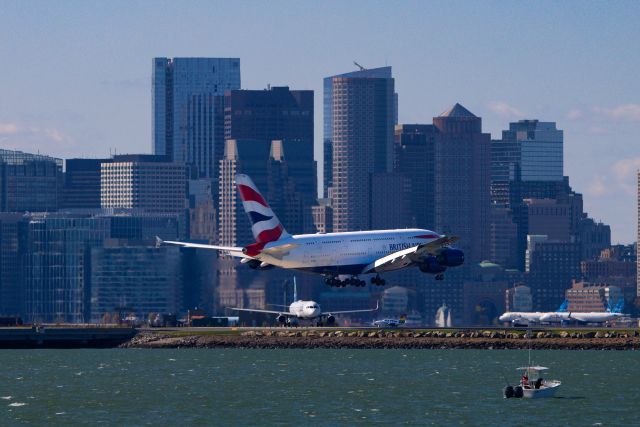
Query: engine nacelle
x=331 y=320
x=265 y=266
x=431 y=266
x=282 y=319
x=451 y=257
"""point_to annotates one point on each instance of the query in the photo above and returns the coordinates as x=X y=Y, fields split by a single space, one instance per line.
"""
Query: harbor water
x=317 y=387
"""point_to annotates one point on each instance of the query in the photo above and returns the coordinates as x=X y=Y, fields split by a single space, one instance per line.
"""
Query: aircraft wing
x=255 y=310
x=330 y=313
x=233 y=251
x=406 y=257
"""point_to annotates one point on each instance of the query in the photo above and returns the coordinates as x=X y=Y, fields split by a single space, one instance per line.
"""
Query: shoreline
x=394 y=339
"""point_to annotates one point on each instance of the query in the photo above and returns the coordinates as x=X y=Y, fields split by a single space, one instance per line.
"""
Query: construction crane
x=360 y=66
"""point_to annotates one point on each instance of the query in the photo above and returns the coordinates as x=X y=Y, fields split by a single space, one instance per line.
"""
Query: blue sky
x=75 y=77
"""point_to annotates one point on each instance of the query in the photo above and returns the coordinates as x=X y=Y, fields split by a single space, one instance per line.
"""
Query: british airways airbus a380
x=340 y=257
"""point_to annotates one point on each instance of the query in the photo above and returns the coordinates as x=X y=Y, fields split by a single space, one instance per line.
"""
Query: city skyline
x=78 y=84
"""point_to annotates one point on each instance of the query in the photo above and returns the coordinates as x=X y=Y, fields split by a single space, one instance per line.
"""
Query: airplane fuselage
x=584 y=317
x=305 y=309
x=347 y=253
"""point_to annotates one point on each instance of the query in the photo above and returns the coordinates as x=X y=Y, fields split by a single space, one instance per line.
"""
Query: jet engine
x=282 y=319
x=331 y=320
x=450 y=257
x=432 y=266
x=265 y=266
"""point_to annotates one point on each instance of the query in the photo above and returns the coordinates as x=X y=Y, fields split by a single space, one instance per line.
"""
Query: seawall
x=64 y=337
x=401 y=339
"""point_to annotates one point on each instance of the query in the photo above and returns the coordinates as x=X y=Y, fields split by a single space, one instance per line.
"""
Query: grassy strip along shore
x=404 y=339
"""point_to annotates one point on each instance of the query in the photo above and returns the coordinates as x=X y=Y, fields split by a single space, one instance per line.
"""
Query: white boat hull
x=548 y=389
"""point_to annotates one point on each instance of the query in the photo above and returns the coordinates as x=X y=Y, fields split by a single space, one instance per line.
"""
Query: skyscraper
x=360 y=113
x=269 y=136
x=462 y=180
x=414 y=157
x=529 y=152
x=183 y=92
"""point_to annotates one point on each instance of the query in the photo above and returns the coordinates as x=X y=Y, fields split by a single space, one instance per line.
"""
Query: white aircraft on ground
x=528 y=317
x=587 y=317
x=390 y=323
x=340 y=257
x=303 y=310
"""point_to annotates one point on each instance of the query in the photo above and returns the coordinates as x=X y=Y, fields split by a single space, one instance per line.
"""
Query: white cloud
x=597 y=130
x=574 y=114
x=49 y=140
x=503 y=109
x=597 y=187
x=9 y=128
x=624 y=172
x=626 y=112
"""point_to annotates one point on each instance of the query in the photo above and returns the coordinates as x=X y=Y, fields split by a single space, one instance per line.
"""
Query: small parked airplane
x=340 y=257
x=529 y=317
x=587 y=317
x=390 y=323
x=304 y=310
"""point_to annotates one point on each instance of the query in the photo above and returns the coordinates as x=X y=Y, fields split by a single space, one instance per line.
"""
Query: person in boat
x=524 y=381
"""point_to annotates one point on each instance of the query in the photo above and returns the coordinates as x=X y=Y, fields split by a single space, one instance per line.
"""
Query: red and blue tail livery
x=342 y=258
x=265 y=225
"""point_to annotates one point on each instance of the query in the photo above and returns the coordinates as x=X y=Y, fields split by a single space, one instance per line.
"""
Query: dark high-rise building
x=183 y=101
x=414 y=158
x=82 y=183
x=551 y=267
x=272 y=114
x=462 y=180
x=360 y=113
x=269 y=136
x=29 y=182
x=284 y=171
x=10 y=264
x=529 y=152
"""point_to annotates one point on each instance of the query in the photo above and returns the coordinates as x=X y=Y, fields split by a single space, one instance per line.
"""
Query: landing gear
x=378 y=281
x=353 y=281
x=439 y=276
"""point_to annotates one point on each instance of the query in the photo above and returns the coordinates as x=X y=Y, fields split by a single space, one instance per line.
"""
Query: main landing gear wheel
x=378 y=281
x=440 y=276
x=353 y=281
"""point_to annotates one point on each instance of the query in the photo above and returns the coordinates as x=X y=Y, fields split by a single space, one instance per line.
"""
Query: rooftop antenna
x=359 y=66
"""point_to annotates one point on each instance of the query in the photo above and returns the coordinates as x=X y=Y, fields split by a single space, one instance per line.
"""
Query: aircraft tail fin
x=295 y=289
x=403 y=319
x=563 y=307
x=265 y=225
x=619 y=306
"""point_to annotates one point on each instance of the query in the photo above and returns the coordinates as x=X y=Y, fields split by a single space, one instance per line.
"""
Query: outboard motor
x=451 y=257
x=508 y=392
x=517 y=392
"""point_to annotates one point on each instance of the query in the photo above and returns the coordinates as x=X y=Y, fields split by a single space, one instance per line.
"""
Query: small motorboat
x=532 y=385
